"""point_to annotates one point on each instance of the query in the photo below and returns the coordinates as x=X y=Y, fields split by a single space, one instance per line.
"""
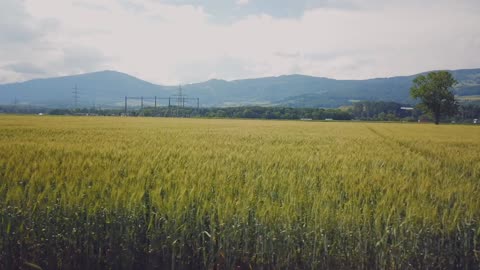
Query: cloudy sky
x=182 y=41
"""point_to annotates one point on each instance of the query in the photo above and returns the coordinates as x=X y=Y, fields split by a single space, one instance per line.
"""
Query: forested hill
x=307 y=91
x=100 y=88
x=107 y=88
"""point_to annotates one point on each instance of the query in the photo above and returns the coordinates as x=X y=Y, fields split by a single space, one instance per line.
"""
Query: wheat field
x=151 y=193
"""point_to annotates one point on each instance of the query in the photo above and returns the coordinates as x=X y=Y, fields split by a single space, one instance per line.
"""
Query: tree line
x=251 y=112
x=362 y=110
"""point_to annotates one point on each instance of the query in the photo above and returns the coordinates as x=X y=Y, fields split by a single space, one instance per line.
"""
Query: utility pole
x=15 y=102
x=179 y=96
x=126 y=98
x=75 y=96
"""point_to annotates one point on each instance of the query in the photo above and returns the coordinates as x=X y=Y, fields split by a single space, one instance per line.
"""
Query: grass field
x=145 y=193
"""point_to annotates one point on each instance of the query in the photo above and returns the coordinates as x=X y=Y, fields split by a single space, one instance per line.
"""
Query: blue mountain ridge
x=108 y=88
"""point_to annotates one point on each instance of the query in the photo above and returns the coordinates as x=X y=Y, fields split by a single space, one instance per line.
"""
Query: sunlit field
x=146 y=193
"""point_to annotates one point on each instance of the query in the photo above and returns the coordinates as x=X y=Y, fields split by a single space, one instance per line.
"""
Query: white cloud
x=242 y=2
x=168 y=43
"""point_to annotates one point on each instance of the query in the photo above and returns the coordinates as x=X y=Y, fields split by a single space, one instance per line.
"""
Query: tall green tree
x=435 y=93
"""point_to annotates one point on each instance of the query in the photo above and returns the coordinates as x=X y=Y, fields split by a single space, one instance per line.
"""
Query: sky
x=184 y=41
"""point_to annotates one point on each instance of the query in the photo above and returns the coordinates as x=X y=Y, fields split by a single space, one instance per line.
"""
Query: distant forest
x=363 y=110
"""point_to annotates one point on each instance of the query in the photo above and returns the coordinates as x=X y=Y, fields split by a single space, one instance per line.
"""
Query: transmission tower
x=76 y=96
x=180 y=98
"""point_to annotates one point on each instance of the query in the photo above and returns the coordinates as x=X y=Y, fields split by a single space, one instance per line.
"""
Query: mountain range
x=108 y=88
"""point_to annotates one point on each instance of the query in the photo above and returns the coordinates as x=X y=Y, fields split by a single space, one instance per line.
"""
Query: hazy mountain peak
x=216 y=80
